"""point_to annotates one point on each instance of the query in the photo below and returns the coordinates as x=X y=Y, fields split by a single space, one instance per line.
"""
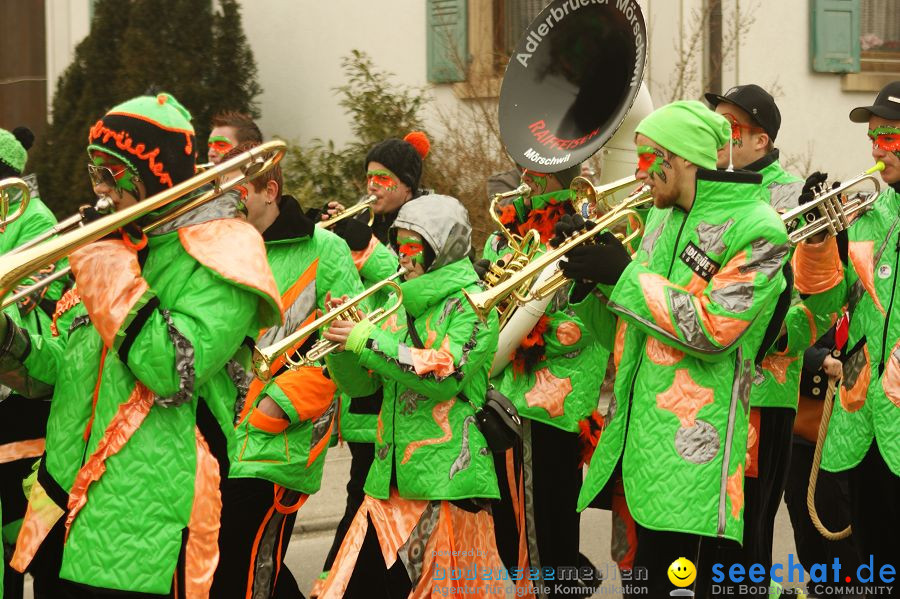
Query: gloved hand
x=601 y=262
x=568 y=226
x=811 y=185
x=356 y=233
x=482 y=267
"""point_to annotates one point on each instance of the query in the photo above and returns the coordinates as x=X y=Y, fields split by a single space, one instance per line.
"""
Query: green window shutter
x=447 y=40
x=834 y=36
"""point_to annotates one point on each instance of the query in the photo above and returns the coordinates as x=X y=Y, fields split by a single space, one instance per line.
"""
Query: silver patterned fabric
x=184 y=365
x=412 y=552
x=710 y=236
x=464 y=458
x=227 y=205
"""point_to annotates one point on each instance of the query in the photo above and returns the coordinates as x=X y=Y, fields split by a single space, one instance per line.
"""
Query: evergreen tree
x=136 y=46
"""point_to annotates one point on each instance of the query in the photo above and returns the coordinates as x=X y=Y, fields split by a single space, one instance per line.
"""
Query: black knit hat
x=403 y=157
x=153 y=136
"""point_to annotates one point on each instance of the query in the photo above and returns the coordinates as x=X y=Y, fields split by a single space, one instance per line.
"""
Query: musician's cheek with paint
x=654 y=169
x=885 y=137
x=411 y=249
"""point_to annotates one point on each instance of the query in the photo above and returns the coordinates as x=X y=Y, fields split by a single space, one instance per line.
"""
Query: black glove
x=811 y=186
x=356 y=233
x=482 y=267
x=602 y=262
x=568 y=226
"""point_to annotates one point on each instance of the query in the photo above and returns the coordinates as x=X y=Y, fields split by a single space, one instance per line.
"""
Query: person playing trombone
x=864 y=433
x=130 y=477
x=432 y=471
x=685 y=317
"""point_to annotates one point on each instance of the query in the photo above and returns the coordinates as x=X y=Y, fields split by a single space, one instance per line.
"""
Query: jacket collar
x=433 y=287
x=763 y=162
x=291 y=224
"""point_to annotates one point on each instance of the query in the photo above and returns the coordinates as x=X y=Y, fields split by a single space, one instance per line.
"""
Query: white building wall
x=298 y=45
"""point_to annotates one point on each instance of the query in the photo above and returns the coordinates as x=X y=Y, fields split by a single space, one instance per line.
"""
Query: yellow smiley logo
x=682 y=572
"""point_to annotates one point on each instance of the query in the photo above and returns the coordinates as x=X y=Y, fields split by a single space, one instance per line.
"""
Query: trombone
x=826 y=212
x=485 y=301
x=264 y=358
x=22 y=262
x=5 y=186
x=366 y=204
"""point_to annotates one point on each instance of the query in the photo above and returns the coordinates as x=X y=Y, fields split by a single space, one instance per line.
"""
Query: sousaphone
x=570 y=81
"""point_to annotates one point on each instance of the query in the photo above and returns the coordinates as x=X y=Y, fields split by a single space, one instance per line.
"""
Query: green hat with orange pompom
x=153 y=136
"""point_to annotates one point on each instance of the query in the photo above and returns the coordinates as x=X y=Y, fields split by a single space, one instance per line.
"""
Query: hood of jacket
x=443 y=223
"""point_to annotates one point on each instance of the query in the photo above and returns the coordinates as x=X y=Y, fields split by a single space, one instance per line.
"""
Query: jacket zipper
x=885 y=350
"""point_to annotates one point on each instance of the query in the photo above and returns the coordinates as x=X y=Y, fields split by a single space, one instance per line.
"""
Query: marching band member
x=230 y=129
x=554 y=380
x=755 y=121
x=129 y=477
x=432 y=470
x=393 y=172
x=685 y=318
x=283 y=425
x=23 y=420
x=864 y=433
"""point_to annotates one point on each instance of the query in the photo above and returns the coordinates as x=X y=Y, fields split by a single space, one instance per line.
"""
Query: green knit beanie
x=12 y=152
x=151 y=134
x=689 y=129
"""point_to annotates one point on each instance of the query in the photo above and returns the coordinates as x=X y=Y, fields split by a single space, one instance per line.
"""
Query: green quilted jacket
x=868 y=407
x=685 y=320
x=307 y=262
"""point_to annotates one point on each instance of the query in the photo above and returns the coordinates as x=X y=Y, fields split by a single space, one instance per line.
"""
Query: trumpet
x=264 y=358
x=5 y=186
x=23 y=262
x=511 y=287
x=827 y=212
x=366 y=204
x=589 y=198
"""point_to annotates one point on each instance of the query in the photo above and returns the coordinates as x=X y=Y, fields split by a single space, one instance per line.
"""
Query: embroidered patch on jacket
x=699 y=262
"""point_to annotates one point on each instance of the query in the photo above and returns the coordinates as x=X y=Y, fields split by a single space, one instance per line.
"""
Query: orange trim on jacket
x=361 y=256
x=19 y=450
x=817 y=266
x=201 y=554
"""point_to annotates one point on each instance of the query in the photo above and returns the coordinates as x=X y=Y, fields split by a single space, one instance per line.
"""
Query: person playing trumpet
x=864 y=433
x=553 y=378
x=432 y=471
x=134 y=455
x=283 y=426
x=685 y=318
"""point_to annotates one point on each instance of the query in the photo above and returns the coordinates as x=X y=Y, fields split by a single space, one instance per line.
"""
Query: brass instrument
x=366 y=204
x=591 y=200
x=23 y=262
x=511 y=287
x=5 y=186
x=203 y=167
x=826 y=212
x=265 y=357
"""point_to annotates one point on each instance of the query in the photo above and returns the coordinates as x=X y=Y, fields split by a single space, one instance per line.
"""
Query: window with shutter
x=834 y=35
x=447 y=40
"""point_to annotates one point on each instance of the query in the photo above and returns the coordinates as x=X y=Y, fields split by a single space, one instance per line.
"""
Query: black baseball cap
x=887 y=105
x=756 y=102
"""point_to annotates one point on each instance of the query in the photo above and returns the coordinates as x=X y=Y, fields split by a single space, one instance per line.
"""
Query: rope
x=814 y=473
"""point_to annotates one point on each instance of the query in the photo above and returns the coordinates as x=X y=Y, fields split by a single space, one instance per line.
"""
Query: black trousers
x=253 y=540
x=875 y=513
x=371 y=579
x=361 y=457
x=762 y=495
x=553 y=487
x=832 y=505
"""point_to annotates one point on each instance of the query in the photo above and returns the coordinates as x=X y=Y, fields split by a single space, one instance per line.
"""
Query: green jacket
x=307 y=262
x=777 y=380
x=691 y=310
x=869 y=399
x=358 y=416
x=427 y=438
x=168 y=326
x=554 y=391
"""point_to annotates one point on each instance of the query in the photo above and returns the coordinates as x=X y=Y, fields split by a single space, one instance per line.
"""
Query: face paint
x=382 y=178
x=652 y=160
x=540 y=181
x=220 y=144
x=122 y=176
x=887 y=138
x=412 y=248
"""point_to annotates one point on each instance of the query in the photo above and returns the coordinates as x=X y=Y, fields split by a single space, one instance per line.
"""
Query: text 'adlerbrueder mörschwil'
x=558 y=13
